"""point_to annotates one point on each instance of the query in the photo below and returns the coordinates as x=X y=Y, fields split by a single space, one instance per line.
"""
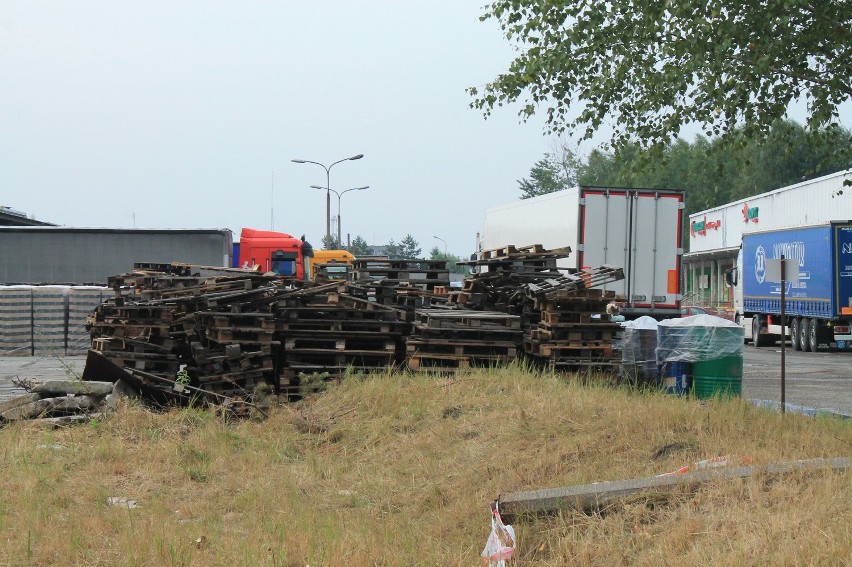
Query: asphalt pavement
x=821 y=381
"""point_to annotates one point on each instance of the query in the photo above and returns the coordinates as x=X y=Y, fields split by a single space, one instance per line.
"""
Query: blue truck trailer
x=818 y=293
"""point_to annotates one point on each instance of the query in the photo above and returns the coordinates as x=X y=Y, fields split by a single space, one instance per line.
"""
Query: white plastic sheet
x=698 y=338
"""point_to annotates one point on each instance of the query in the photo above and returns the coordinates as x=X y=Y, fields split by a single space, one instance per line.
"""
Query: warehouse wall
x=80 y=256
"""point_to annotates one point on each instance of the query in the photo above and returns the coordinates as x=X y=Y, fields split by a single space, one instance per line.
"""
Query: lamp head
x=359 y=156
x=298 y=161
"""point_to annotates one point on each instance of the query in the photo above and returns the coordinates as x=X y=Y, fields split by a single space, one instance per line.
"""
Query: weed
x=399 y=469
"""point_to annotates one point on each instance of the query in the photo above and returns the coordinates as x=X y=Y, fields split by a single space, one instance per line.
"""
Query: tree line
x=407 y=248
x=712 y=172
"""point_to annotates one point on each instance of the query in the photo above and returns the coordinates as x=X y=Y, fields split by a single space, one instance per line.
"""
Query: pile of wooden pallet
x=225 y=332
x=229 y=333
x=563 y=317
x=447 y=339
x=574 y=330
x=333 y=271
x=326 y=331
x=407 y=284
x=424 y=273
x=173 y=329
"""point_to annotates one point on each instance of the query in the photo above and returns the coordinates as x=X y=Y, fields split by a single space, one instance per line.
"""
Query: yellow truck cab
x=341 y=258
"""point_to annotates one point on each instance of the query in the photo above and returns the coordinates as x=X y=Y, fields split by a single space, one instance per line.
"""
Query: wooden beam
x=593 y=496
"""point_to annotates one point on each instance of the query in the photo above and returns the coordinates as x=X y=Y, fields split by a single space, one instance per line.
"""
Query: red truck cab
x=276 y=252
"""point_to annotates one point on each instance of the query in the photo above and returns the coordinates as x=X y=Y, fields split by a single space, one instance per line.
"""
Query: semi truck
x=276 y=252
x=817 y=288
x=284 y=254
x=64 y=255
x=638 y=230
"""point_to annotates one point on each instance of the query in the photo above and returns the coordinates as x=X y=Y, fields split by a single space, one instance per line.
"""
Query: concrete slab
x=37 y=369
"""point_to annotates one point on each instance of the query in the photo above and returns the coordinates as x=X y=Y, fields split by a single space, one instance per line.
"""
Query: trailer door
x=843 y=266
x=604 y=235
x=655 y=250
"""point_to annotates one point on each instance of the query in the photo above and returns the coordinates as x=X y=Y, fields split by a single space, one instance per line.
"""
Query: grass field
x=399 y=470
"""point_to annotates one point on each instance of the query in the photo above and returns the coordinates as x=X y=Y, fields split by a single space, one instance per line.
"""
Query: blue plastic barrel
x=676 y=377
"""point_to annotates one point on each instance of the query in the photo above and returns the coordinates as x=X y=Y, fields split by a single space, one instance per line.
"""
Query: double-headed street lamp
x=339 y=196
x=446 y=255
x=328 y=188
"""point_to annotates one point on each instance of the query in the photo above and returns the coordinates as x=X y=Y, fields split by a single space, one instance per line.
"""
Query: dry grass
x=399 y=470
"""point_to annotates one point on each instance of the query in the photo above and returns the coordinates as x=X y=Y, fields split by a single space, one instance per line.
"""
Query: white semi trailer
x=639 y=230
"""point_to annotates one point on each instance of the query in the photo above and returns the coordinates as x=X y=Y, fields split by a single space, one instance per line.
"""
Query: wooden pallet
x=569 y=351
x=426 y=347
x=340 y=343
x=462 y=318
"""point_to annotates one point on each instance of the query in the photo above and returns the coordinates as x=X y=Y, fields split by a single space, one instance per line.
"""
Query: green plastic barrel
x=718 y=377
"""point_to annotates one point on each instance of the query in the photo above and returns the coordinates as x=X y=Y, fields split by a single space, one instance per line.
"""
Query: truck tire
x=794 y=334
x=757 y=339
x=813 y=335
x=804 y=332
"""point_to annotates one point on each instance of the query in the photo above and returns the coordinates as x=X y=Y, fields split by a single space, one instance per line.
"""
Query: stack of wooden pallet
x=500 y=275
x=332 y=271
x=562 y=315
x=326 y=331
x=448 y=339
x=574 y=331
x=426 y=274
x=404 y=284
x=214 y=332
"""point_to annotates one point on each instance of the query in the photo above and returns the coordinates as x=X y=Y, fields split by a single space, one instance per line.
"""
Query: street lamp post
x=328 y=188
x=339 y=196
x=446 y=255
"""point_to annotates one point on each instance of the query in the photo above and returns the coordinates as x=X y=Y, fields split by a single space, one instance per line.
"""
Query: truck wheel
x=794 y=334
x=813 y=335
x=757 y=339
x=804 y=332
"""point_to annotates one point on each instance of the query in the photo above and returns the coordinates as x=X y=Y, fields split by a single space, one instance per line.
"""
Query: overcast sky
x=175 y=114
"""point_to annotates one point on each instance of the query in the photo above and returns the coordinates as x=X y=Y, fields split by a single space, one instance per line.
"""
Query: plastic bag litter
x=500 y=545
x=715 y=462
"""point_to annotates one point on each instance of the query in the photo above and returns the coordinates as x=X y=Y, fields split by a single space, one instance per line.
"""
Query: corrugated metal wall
x=78 y=256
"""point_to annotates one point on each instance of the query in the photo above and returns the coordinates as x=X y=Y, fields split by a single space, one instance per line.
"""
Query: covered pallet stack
x=326 y=331
x=16 y=313
x=82 y=300
x=451 y=339
x=50 y=312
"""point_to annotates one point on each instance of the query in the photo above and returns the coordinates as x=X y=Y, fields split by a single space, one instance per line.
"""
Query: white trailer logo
x=760 y=264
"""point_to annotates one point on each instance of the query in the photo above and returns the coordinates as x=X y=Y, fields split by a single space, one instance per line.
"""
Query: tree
x=393 y=250
x=653 y=66
x=330 y=243
x=409 y=247
x=554 y=172
x=714 y=173
x=451 y=259
x=359 y=247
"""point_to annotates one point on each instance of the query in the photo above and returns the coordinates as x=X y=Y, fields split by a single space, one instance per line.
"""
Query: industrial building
x=715 y=234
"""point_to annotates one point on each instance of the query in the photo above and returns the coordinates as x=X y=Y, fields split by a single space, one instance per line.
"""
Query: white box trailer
x=639 y=230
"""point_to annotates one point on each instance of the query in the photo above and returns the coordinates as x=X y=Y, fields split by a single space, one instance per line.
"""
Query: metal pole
x=445 y=245
x=328 y=189
x=328 y=206
x=783 y=333
x=339 y=241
